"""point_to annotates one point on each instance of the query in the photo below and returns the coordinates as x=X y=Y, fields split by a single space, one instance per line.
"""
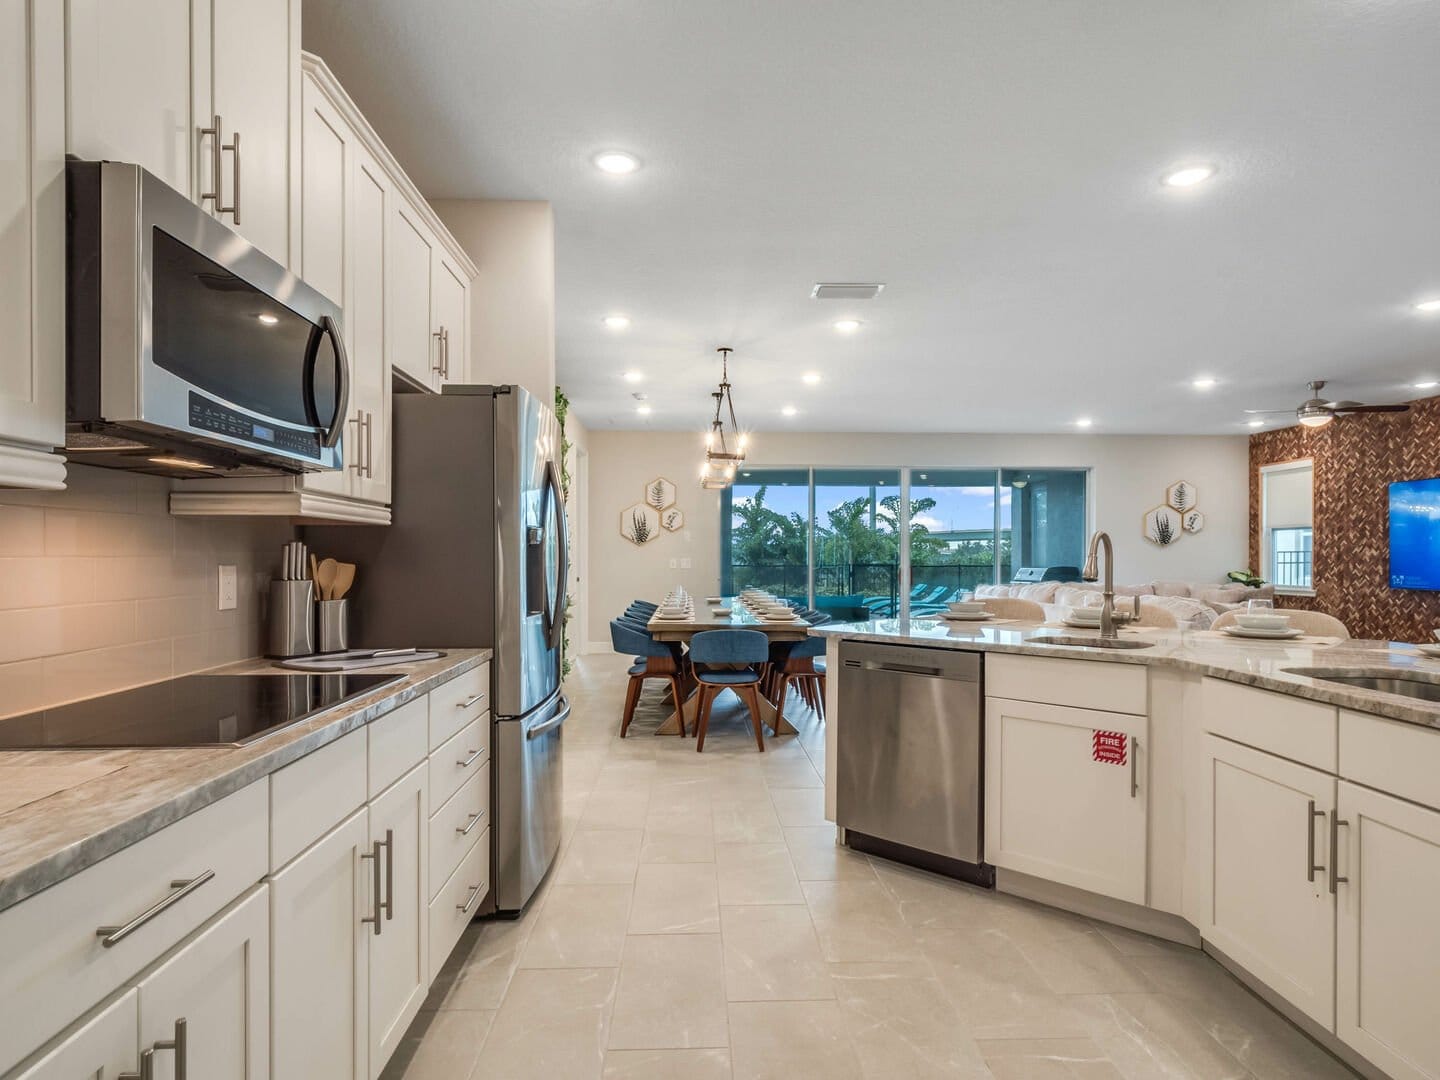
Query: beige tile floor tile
x=600 y=857
x=858 y=920
x=660 y=846
x=902 y=1025
x=552 y=1026
x=680 y=898
x=440 y=1046
x=616 y=810
x=1083 y=964
x=671 y=994
x=772 y=954
x=799 y=806
x=817 y=857
x=925 y=900
x=579 y=926
x=1047 y=1059
x=790 y=1040
x=751 y=820
x=757 y=874
x=712 y=1064
x=479 y=970
x=1151 y=1035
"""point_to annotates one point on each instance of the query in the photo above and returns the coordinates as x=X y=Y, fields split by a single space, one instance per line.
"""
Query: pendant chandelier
x=723 y=452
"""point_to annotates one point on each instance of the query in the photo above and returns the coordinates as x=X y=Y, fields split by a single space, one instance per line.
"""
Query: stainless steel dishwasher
x=909 y=755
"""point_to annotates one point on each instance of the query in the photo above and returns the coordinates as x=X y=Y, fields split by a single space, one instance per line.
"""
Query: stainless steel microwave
x=190 y=352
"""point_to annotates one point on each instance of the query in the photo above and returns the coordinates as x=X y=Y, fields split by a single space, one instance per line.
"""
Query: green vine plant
x=562 y=410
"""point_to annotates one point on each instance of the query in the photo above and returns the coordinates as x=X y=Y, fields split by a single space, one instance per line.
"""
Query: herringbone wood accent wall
x=1356 y=459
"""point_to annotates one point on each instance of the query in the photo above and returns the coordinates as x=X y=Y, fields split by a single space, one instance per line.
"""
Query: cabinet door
x=320 y=950
x=32 y=227
x=254 y=64
x=1388 y=940
x=101 y=1049
x=129 y=85
x=399 y=978
x=1053 y=810
x=1268 y=904
x=217 y=987
x=413 y=347
x=452 y=296
x=366 y=312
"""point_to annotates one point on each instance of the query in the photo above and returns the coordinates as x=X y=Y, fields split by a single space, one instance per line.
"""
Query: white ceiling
x=996 y=164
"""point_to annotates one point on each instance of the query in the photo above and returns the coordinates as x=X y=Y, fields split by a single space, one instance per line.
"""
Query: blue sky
x=956 y=508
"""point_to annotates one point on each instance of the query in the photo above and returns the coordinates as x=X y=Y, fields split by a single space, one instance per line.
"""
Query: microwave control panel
x=207 y=415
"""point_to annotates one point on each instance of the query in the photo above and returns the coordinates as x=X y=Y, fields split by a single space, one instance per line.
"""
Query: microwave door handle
x=342 y=382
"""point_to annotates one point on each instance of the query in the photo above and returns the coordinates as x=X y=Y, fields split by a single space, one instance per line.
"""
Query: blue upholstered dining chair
x=804 y=666
x=728 y=660
x=653 y=660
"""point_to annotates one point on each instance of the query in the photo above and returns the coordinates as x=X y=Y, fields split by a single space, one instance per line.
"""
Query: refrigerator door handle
x=555 y=617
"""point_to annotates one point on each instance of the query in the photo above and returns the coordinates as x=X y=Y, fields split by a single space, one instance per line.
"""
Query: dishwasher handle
x=906 y=669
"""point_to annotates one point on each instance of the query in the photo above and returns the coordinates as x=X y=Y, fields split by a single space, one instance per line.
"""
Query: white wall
x=1129 y=475
x=512 y=301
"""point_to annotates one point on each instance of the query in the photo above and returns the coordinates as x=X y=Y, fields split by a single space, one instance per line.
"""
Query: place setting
x=1261 y=622
x=677 y=606
x=964 y=611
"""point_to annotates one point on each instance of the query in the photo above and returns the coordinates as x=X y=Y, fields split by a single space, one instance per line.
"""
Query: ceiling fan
x=1317 y=412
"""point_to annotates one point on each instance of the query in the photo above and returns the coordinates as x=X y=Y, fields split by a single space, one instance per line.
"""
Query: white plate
x=979 y=616
x=1272 y=635
x=1429 y=650
x=673 y=618
x=721 y=610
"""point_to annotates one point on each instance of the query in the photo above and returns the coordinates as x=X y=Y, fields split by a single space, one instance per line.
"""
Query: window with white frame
x=1287 y=518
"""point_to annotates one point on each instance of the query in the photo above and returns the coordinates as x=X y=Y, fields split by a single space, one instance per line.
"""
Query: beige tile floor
x=701 y=923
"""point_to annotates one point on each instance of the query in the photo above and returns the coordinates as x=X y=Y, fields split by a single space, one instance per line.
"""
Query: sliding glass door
x=862 y=543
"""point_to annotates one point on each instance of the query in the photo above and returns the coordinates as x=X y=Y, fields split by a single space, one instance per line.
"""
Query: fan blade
x=1268 y=412
x=1372 y=408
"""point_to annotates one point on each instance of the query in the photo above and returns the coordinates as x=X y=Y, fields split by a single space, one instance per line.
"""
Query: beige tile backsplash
x=100 y=588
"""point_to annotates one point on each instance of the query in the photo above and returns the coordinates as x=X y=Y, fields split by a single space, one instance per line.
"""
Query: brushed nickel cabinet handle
x=1336 y=822
x=474 y=754
x=359 y=421
x=112 y=935
x=216 y=162
x=469 y=900
x=369 y=445
x=147 y=1057
x=445 y=330
x=1134 y=776
x=389 y=874
x=376 y=884
x=439 y=366
x=471 y=700
x=234 y=208
x=1311 y=866
x=475 y=819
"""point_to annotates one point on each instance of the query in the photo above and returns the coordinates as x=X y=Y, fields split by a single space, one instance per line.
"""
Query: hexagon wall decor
x=673 y=519
x=639 y=523
x=1161 y=526
x=1192 y=521
x=1182 y=496
x=660 y=493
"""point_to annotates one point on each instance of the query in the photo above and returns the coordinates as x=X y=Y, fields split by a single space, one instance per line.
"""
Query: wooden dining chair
x=653 y=660
x=799 y=667
x=728 y=660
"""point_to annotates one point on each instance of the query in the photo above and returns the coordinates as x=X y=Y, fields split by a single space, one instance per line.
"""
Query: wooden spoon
x=314 y=570
x=325 y=577
x=344 y=578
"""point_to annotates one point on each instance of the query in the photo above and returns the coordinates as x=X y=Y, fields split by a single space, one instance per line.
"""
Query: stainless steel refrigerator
x=476 y=555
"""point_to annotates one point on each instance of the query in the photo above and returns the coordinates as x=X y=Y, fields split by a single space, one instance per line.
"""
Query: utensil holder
x=334 y=623
x=292 y=618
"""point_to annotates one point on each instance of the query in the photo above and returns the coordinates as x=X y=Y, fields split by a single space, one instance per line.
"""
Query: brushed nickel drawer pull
x=147 y=1057
x=475 y=819
x=470 y=900
x=1311 y=866
x=1336 y=822
x=112 y=935
x=469 y=701
x=471 y=759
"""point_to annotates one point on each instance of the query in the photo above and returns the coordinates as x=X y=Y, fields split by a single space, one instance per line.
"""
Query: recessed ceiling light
x=1084 y=422
x=847 y=326
x=810 y=378
x=1256 y=423
x=634 y=376
x=617 y=322
x=617 y=162
x=1188 y=176
x=1428 y=384
x=267 y=318
x=789 y=410
x=1204 y=382
x=643 y=410
x=1428 y=306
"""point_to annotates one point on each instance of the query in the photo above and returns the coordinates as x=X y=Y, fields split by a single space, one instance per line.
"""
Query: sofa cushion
x=1224 y=594
x=1190 y=613
x=1171 y=588
x=982 y=591
x=1071 y=596
x=1042 y=592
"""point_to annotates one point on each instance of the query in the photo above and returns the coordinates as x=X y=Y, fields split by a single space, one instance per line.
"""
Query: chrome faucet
x=1092 y=572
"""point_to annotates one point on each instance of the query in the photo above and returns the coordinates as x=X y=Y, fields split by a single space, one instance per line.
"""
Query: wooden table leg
x=671 y=726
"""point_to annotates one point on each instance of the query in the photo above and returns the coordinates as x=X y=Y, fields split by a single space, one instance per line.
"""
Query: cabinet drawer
x=457 y=702
x=397 y=743
x=458 y=900
x=1303 y=731
x=313 y=795
x=456 y=825
x=1082 y=684
x=1390 y=755
x=459 y=759
x=55 y=964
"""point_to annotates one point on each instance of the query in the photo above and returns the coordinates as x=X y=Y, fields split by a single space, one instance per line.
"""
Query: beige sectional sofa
x=1194 y=604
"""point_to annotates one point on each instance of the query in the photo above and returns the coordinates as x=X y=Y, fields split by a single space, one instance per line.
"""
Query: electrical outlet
x=227 y=589
x=686 y=563
x=673 y=564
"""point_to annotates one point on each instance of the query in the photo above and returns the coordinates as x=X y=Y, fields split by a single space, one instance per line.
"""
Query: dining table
x=726 y=614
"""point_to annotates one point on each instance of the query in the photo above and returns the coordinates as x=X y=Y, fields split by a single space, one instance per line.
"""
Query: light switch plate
x=227 y=588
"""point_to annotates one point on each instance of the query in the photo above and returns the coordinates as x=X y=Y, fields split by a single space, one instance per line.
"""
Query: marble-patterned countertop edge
x=49 y=839
x=1261 y=664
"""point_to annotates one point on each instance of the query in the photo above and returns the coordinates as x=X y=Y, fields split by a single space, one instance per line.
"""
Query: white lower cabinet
x=320 y=1006
x=100 y=1049
x=205 y=1011
x=1057 y=803
x=1269 y=907
x=1387 y=935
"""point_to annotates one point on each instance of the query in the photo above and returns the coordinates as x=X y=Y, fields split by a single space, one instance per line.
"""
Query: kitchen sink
x=1389 y=683
x=1078 y=641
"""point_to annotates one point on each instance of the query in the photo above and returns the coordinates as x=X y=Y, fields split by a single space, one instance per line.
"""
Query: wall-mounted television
x=1415 y=534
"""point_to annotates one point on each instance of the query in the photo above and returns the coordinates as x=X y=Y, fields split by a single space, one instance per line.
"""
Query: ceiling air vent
x=832 y=290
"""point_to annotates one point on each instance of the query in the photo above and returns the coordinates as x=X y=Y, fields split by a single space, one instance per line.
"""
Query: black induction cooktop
x=194 y=710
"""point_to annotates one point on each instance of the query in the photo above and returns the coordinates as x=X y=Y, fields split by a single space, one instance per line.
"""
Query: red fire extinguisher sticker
x=1109 y=747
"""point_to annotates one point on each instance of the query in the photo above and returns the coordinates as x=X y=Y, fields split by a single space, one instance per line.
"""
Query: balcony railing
x=861 y=590
x=1292 y=569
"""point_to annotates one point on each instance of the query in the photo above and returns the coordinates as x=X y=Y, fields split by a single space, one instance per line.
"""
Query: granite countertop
x=1266 y=664
x=75 y=807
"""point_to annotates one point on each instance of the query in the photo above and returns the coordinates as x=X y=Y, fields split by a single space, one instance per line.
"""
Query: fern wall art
x=1165 y=524
x=643 y=521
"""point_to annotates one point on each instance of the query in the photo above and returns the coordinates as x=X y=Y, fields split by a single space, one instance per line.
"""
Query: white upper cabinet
x=452 y=317
x=415 y=343
x=365 y=324
x=32 y=243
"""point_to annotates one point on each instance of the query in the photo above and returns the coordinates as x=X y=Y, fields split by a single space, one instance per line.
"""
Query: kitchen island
x=1216 y=792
